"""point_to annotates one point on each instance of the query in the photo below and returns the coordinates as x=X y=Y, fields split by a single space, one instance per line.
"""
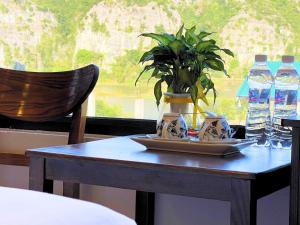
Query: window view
x=54 y=35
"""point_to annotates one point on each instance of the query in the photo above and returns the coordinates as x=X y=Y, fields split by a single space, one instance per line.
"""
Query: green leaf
x=163 y=55
x=170 y=89
x=163 y=68
x=212 y=55
x=177 y=46
x=194 y=93
x=158 y=92
x=147 y=56
x=192 y=29
x=171 y=37
x=213 y=42
x=200 y=58
x=215 y=64
x=228 y=52
x=201 y=46
x=179 y=33
x=180 y=62
x=204 y=34
x=146 y=68
x=215 y=94
x=161 y=38
x=211 y=86
x=190 y=36
x=185 y=76
x=155 y=73
x=169 y=79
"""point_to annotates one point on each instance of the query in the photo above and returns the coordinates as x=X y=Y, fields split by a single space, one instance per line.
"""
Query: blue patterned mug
x=215 y=128
x=172 y=126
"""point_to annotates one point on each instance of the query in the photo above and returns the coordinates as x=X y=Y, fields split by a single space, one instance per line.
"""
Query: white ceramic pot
x=214 y=128
x=172 y=126
x=182 y=108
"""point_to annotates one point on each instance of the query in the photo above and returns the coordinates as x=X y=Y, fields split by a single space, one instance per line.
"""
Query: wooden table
x=123 y=163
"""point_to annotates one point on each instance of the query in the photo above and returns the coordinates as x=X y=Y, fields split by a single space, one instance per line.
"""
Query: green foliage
x=85 y=57
x=183 y=61
x=99 y=27
x=57 y=49
x=282 y=14
x=3 y=8
x=124 y=67
x=8 y=59
x=96 y=27
x=105 y=109
x=129 y=29
x=30 y=60
x=229 y=108
x=68 y=13
x=145 y=2
x=209 y=15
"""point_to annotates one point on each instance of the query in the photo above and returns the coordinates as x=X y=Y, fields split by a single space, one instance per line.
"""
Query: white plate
x=155 y=137
x=217 y=149
x=224 y=141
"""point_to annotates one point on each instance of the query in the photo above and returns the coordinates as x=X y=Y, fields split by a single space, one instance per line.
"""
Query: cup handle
x=164 y=133
x=232 y=132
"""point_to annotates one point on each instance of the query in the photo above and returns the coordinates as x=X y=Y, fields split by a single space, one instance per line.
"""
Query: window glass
x=52 y=35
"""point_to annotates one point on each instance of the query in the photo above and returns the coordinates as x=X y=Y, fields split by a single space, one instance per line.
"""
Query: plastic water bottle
x=286 y=89
x=258 y=123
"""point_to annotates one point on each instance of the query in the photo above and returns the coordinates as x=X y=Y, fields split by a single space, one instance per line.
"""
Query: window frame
x=98 y=125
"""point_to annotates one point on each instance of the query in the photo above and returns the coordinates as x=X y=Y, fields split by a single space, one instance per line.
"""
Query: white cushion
x=24 y=207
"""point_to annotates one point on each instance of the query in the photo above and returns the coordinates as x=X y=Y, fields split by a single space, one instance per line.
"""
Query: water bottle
x=286 y=89
x=258 y=123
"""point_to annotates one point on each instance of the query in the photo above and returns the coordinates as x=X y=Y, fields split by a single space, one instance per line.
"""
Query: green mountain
x=48 y=35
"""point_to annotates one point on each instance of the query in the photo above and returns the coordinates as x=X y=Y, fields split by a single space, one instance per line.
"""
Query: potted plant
x=183 y=61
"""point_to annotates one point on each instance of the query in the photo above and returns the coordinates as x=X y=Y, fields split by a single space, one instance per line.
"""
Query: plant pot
x=180 y=103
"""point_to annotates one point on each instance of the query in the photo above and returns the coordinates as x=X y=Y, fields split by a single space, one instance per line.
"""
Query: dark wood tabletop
x=293 y=121
x=123 y=163
x=247 y=165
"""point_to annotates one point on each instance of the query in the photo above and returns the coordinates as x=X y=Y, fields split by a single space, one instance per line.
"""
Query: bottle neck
x=260 y=64
x=287 y=64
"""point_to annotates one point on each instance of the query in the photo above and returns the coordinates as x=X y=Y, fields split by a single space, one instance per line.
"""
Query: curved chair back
x=37 y=97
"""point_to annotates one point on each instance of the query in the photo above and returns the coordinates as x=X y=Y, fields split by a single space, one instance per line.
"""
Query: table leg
x=37 y=181
x=295 y=179
x=243 y=203
x=144 y=208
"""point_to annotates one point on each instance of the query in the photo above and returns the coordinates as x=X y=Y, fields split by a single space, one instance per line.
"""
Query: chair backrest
x=47 y=96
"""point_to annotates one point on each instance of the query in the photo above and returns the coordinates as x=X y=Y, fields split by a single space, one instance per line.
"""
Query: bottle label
x=253 y=95
x=264 y=96
x=259 y=96
x=288 y=97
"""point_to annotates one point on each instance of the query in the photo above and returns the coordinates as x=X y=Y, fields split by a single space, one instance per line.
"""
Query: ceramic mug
x=172 y=126
x=215 y=128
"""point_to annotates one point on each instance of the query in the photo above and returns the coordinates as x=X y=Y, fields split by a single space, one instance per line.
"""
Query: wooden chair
x=40 y=97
